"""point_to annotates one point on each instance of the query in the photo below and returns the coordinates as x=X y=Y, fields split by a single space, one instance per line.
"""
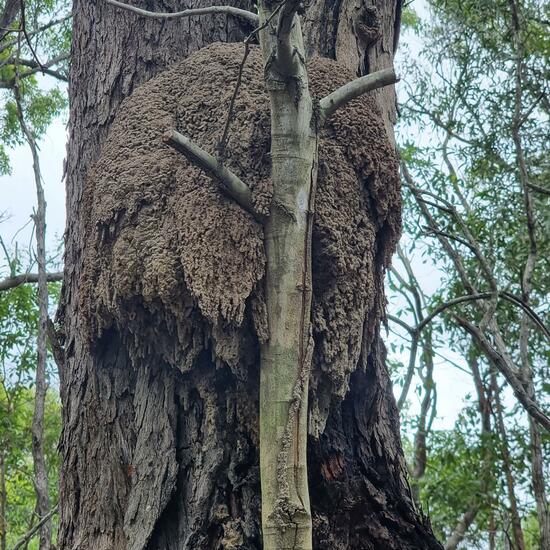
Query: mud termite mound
x=168 y=255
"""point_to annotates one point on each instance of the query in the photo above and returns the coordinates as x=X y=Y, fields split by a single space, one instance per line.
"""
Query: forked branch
x=355 y=88
x=232 y=185
x=228 y=10
x=506 y=368
x=285 y=50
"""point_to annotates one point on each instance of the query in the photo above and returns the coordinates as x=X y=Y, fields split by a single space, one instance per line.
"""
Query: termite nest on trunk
x=178 y=268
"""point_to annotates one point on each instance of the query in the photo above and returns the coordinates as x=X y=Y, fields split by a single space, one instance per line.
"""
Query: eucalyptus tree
x=162 y=414
x=32 y=41
x=480 y=191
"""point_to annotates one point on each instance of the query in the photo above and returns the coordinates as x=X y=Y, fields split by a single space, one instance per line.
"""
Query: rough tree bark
x=128 y=427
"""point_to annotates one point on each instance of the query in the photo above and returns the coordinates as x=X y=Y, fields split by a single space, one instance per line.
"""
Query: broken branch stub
x=355 y=88
x=232 y=185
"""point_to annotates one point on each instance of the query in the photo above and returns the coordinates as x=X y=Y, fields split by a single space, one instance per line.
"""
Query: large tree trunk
x=160 y=459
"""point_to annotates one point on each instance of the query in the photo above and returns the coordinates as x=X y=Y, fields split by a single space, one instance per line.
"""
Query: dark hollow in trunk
x=160 y=458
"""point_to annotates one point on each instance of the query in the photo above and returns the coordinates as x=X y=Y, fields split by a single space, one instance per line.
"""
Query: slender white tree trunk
x=41 y=384
x=286 y=356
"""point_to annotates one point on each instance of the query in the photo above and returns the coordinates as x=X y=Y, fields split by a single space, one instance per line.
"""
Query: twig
x=538 y=189
x=23 y=28
x=28 y=536
x=17 y=280
x=438 y=232
x=225 y=136
x=228 y=10
x=231 y=184
x=39 y=30
x=435 y=205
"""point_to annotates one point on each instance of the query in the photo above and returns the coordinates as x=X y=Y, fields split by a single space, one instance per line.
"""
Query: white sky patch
x=18 y=192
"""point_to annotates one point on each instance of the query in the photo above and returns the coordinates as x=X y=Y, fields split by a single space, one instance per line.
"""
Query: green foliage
x=16 y=410
x=40 y=108
x=448 y=489
x=18 y=332
x=410 y=19
x=475 y=82
x=43 y=98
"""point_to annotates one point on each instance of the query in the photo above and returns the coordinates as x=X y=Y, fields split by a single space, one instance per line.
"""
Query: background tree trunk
x=196 y=434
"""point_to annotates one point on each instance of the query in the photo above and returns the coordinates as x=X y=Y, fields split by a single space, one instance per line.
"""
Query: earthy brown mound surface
x=165 y=246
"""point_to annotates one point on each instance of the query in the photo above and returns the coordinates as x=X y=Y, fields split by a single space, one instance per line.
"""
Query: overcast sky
x=18 y=191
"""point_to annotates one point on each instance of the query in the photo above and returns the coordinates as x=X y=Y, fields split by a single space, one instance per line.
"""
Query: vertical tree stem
x=537 y=468
x=41 y=386
x=286 y=356
x=506 y=462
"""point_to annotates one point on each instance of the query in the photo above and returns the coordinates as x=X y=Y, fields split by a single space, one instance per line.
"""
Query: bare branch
x=438 y=233
x=498 y=415
x=35 y=68
x=410 y=371
x=402 y=324
x=41 y=67
x=485 y=296
x=23 y=278
x=539 y=189
x=462 y=528
x=28 y=536
x=228 y=10
x=435 y=205
x=450 y=208
x=504 y=366
x=455 y=257
x=354 y=89
x=41 y=384
x=415 y=332
x=231 y=184
x=30 y=34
